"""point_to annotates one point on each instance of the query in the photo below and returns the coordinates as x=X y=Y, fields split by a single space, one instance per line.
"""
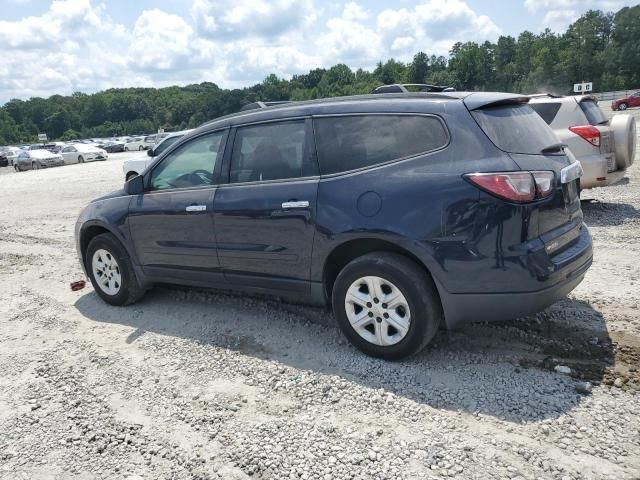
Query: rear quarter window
x=351 y=142
x=547 y=111
x=515 y=128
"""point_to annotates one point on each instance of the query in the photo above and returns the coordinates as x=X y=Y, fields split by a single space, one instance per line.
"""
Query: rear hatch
x=597 y=118
x=515 y=128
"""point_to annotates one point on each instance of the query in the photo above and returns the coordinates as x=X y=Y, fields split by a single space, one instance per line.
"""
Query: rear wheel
x=140 y=148
x=126 y=149
x=111 y=272
x=623 y=106
x=80 y=159
x=386 y=305
x=35 y=166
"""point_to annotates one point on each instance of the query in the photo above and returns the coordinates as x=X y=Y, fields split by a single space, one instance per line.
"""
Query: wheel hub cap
x=106 y=272
x=377 y=310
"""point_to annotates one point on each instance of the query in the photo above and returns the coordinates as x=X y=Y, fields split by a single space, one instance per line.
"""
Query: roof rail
x=404 y=88
x=256 y=105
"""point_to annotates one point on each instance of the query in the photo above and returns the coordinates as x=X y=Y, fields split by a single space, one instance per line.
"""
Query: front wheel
x=622 y=107
x=111 y=272
x=140 y=148
x=35 y=166
x=386 y=305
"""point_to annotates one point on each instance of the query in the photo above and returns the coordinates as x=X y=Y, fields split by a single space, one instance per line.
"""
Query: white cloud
x=559 y=14
x=76 y=45
x=243 y=18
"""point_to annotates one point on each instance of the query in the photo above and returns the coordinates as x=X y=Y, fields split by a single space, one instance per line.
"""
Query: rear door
x=597 y=118
x=518 y=130
x=265 y=214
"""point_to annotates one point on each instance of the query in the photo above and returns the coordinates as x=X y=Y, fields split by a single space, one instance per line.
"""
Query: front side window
x=272 y=151
x=191 y=165
x=162 y=146
x=350 y=142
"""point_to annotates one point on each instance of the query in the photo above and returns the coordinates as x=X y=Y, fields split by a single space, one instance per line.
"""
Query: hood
x=116 y=193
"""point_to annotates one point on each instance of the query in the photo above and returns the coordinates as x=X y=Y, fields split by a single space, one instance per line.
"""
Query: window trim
x=388 y=162
x=215 y=181
x=309 y=160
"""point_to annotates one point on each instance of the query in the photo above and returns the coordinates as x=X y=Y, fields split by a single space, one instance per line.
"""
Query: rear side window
x=547 y=111
x=515 y=128
x=593 y=112
x=273 y=151
x=349 y=142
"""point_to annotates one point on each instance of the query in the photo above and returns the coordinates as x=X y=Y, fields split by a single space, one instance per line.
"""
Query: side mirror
x=150 y=152
x=135 y=186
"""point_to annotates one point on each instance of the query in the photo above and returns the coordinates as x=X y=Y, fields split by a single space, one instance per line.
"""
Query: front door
x=172 y=223
x=265 y=215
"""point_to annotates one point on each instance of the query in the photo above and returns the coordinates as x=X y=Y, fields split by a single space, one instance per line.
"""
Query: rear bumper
x=595 y=172
x=566 y=270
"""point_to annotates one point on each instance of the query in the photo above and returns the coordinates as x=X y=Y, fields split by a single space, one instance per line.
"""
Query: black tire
x=126 y=149
x=622 y=107
x=414 y=283
x=140 y=148
x=17 y=168
x=130 y=290
x=80 y=159
x=35 y=166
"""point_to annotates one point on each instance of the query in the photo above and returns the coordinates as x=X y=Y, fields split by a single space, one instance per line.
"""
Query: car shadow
x=606 y=214
x=504 y=369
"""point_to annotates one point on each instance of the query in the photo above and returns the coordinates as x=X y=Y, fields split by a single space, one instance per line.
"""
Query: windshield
x=593 y=112
x=515 y=128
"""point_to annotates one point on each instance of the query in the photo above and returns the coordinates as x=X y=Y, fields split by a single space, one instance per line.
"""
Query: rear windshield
x=547 y=111
x=515 y=128
x=593 y=112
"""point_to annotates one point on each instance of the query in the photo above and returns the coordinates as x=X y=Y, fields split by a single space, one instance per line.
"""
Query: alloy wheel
x=377 y=310
x=106 y=272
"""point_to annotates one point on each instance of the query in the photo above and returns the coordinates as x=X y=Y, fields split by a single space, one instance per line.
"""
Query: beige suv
x=605 y=148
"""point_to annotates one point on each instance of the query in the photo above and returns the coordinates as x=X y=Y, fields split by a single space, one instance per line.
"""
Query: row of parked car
x=36 y=156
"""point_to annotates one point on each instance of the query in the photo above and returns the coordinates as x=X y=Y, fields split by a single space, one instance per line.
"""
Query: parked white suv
x=605 y=148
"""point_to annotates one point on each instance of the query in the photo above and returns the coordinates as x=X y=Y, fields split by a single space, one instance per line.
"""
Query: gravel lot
x=197 y=384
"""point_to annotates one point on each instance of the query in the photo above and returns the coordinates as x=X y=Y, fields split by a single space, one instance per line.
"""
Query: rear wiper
x=556 y=147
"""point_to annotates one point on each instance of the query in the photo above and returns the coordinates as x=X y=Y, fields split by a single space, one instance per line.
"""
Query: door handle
x=295 y=204
x=196 y=208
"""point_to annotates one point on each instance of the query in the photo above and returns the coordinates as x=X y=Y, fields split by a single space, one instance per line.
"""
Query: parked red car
x=632 y=100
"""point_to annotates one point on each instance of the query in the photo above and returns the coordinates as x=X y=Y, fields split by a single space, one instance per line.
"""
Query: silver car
x=605 y=148
x=36 y=159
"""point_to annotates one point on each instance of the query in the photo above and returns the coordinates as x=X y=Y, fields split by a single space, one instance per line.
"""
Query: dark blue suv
x=401 y=211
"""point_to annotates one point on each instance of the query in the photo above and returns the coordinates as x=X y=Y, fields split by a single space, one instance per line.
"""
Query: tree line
x=600 y=47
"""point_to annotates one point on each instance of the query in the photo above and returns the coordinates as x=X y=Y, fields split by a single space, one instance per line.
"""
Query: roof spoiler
x=479 y=100
x=590 y=98
x=404 y=88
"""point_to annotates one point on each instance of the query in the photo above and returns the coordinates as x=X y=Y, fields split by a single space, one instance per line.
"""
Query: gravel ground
x=193 y=384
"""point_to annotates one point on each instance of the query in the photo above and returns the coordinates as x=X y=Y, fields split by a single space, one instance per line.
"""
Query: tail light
x=515 y=186
x=590 y=133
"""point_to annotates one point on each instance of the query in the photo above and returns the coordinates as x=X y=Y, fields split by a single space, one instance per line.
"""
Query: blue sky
x=61 y=46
